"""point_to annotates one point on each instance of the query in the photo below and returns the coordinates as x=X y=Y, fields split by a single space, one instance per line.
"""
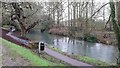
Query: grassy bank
x=85 y=59
x=28 y=55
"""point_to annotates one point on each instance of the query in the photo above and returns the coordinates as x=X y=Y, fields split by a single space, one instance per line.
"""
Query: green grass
x=85 y=59
x=55 y=49
x=92 y=61
x=39 y=61
x=29 y=55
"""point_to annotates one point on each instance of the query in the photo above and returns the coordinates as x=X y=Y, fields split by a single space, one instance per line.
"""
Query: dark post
x=42 y=46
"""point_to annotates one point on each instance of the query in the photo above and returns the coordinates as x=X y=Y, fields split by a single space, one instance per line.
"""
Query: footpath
x=71 y=61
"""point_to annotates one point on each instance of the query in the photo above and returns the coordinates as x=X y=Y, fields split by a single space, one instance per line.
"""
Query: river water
x=106 y=53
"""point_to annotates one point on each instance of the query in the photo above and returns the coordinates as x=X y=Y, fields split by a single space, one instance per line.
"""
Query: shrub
x=90 y=38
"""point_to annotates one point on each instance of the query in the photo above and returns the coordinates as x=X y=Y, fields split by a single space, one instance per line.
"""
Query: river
x=106 y=53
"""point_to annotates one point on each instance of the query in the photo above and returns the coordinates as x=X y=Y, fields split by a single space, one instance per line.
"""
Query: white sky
x=98 y=4
x=53 y=0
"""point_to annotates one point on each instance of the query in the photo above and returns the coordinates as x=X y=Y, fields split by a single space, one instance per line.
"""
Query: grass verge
x=29 y=55
x=85 y=59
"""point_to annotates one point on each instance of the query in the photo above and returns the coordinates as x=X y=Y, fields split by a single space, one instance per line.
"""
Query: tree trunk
x=68 y=14
x=115 y=27
x=118 y=21
x=22 y=26
x=23 y=32
x=118 y=12
x=74 y=19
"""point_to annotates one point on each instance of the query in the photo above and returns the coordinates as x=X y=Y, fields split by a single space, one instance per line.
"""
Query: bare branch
x=107 y=21
x=32 y=25
x=32 y=14
x=98 y=10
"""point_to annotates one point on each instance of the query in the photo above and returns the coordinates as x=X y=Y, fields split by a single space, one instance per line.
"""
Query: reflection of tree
x=68 y=40
x=73 y=42
x=85 y=48
x=57 y=41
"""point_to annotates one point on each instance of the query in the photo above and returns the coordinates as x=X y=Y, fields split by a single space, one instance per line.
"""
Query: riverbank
x=104 y=37
x=98 y=51
x=32 y=57
x=85 y=59
x=70 y=61
x=23 y=51
x=81 y=58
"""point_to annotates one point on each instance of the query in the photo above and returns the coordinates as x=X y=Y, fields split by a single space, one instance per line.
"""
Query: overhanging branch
x=107 y=21
x=97 y=11
x=32 y=25
x=32 y=14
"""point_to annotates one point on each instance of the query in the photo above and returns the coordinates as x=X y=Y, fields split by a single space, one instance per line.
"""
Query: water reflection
x=95 y=50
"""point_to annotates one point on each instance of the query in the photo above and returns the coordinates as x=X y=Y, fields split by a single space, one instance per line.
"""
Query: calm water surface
x=106 y=53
